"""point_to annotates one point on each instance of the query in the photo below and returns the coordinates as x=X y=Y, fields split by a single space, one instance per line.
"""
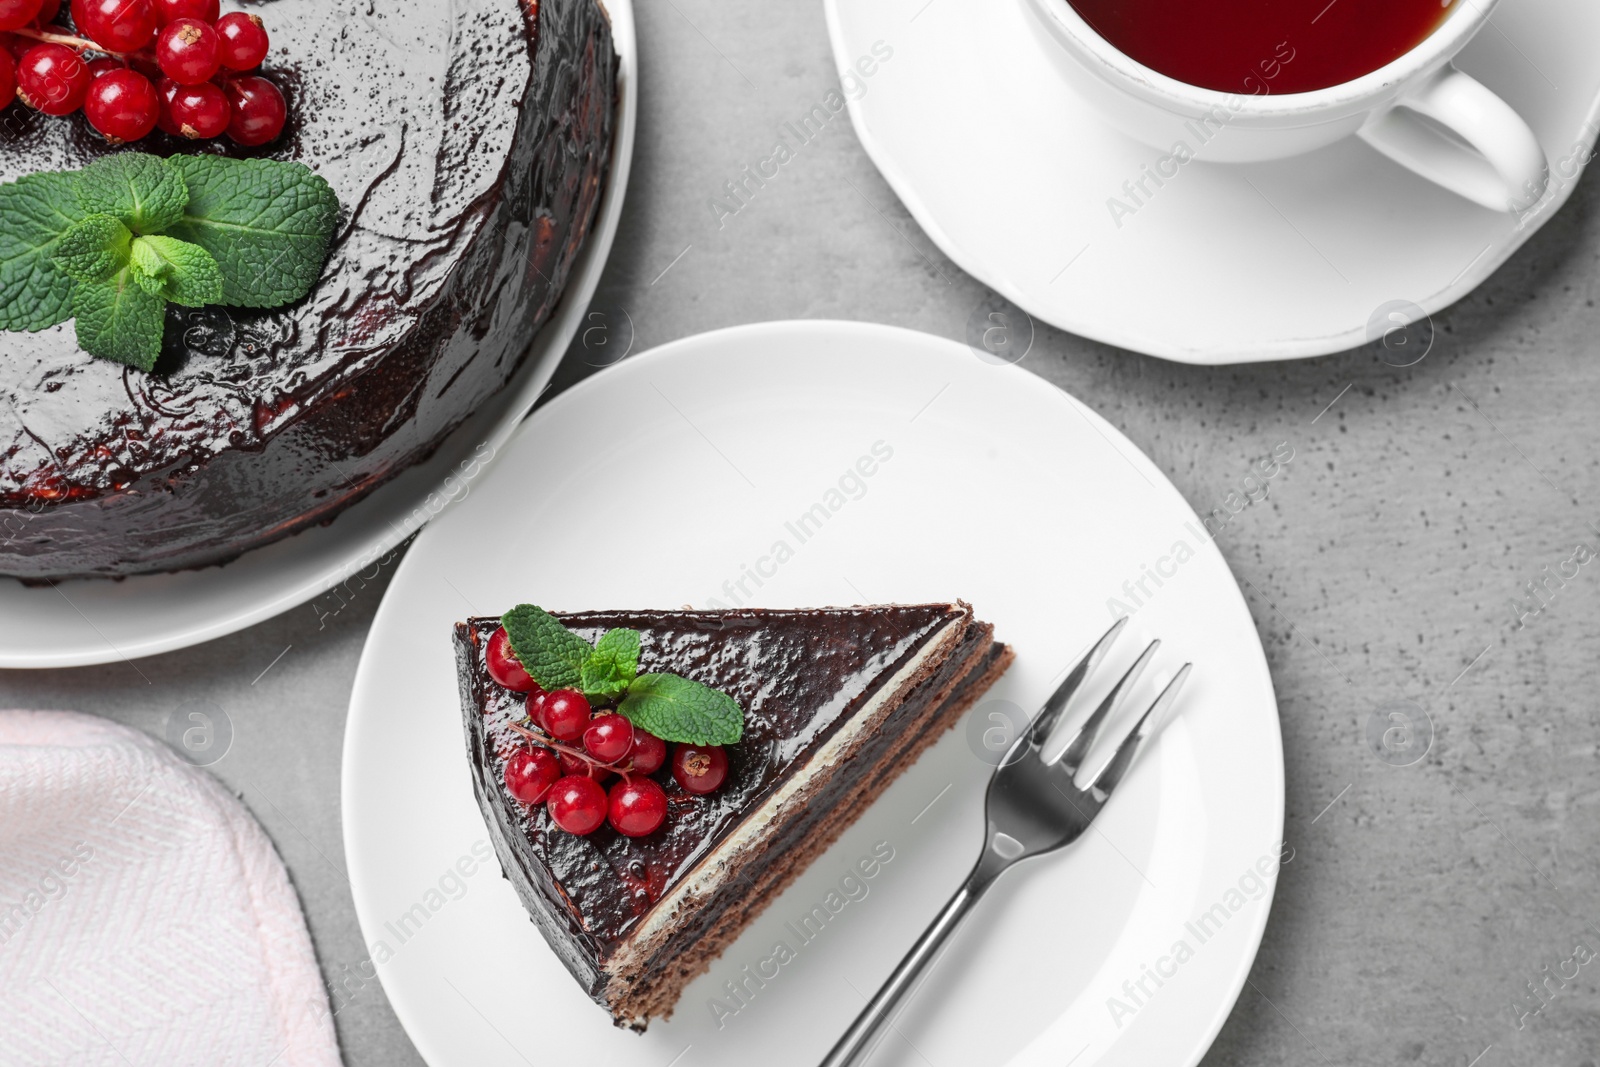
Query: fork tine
x=1084 y=739
x=1045 y=721
x=1128 y=751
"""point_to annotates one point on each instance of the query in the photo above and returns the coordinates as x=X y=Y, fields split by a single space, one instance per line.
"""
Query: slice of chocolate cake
x=836 y=703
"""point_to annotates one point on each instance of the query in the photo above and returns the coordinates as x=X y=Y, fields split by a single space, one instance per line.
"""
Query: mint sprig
x=112 y=244
x=680 y=709
x=672 y=707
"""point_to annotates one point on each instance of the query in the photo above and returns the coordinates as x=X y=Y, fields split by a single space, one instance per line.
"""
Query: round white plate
x=1011 y=175
x=670 y=479
x=71 y=624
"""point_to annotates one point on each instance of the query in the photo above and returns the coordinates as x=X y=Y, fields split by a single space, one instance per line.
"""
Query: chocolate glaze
x=798 y=675
x=468 y=153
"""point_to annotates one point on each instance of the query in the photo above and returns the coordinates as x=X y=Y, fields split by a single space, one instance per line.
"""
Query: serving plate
x=79 y=622
x=671 y=479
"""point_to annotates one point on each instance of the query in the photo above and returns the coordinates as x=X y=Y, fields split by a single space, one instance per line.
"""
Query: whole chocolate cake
x=836 y=703
x=468 y=144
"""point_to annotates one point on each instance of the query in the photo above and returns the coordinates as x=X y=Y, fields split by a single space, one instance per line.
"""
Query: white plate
x=652 y=484
x=1010 y=174
x=75 y=623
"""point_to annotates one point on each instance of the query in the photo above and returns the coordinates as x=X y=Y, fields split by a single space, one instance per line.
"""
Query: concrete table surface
x=1383 y=566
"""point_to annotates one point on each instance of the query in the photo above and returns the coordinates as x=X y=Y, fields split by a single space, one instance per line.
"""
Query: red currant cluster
x=176 y=64
x=569 y=778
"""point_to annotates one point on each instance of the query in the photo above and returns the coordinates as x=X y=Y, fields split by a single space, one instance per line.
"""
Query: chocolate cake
x=468 y=144
x=837 y=703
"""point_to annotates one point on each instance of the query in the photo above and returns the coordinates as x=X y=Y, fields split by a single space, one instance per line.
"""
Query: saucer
x=1029 y=190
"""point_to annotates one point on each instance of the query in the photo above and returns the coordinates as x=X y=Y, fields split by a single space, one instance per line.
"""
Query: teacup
x=1419 y=110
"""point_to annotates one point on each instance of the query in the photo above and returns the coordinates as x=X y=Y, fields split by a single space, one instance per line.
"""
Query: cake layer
x=468 y=144
x=837 y=702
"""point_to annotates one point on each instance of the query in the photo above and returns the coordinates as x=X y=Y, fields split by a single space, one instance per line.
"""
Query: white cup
x=1419 y=110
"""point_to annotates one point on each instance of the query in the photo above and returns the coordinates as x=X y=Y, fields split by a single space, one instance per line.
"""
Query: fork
x=1033 y=806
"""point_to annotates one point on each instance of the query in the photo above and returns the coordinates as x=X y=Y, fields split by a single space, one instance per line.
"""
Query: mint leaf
x=35 y=212
x=94 y=249
x=553 y=654
x=612 y=665
x=267 y=223
x=144 y=191
x=114 y=242
x=177 y=271
x=677 y=709
x=119 y=321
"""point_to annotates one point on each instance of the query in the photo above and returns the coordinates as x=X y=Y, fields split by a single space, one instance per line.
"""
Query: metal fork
x=1033 y=807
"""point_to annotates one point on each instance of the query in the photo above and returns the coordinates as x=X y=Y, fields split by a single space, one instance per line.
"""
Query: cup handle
x=1452 y=130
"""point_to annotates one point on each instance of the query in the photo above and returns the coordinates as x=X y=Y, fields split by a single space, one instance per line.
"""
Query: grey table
x=1384 y=566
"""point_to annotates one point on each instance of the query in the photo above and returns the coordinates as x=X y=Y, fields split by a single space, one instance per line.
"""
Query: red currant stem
x=535 y=735
x=81 y=44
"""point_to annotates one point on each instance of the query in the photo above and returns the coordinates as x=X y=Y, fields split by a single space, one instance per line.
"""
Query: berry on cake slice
x=637 y=807
x=529 y=774
x=700 y=768
x=577 y=804
x=608 y=737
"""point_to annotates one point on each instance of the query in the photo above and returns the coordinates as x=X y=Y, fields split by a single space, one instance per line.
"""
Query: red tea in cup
x=1264 y=46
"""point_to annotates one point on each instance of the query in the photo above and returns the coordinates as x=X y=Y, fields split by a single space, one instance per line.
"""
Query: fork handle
x=863 y=1035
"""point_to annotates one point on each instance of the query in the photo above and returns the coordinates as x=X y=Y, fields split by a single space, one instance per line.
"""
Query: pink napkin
x=145 y=918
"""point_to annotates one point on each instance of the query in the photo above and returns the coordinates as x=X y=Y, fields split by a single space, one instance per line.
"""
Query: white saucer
x=652 y=485
x=1010 y=173
x=75 y=623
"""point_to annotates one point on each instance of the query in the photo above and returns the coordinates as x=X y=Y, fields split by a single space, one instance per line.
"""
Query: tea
x=1264 y=46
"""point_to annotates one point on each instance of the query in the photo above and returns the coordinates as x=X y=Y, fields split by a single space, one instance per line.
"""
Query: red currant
x=258 y=111
x=15 y=14
x=530 y=773
x=608 y=737
x=504 y=667
x=649 y=752
x=8 y=79
x=200 y=112
x=577 y=804
x=637 y=807
x=244 y=40
x=122 y=105
x=172 y=10
x=52 y=79
x=564 y=714
x=104 y=65
x=187 y=51
x=48 y=11
x=116 y=25
x=578 y=765
x=699 y=768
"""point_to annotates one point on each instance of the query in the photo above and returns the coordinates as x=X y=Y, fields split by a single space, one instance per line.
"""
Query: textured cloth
x=145 y=918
